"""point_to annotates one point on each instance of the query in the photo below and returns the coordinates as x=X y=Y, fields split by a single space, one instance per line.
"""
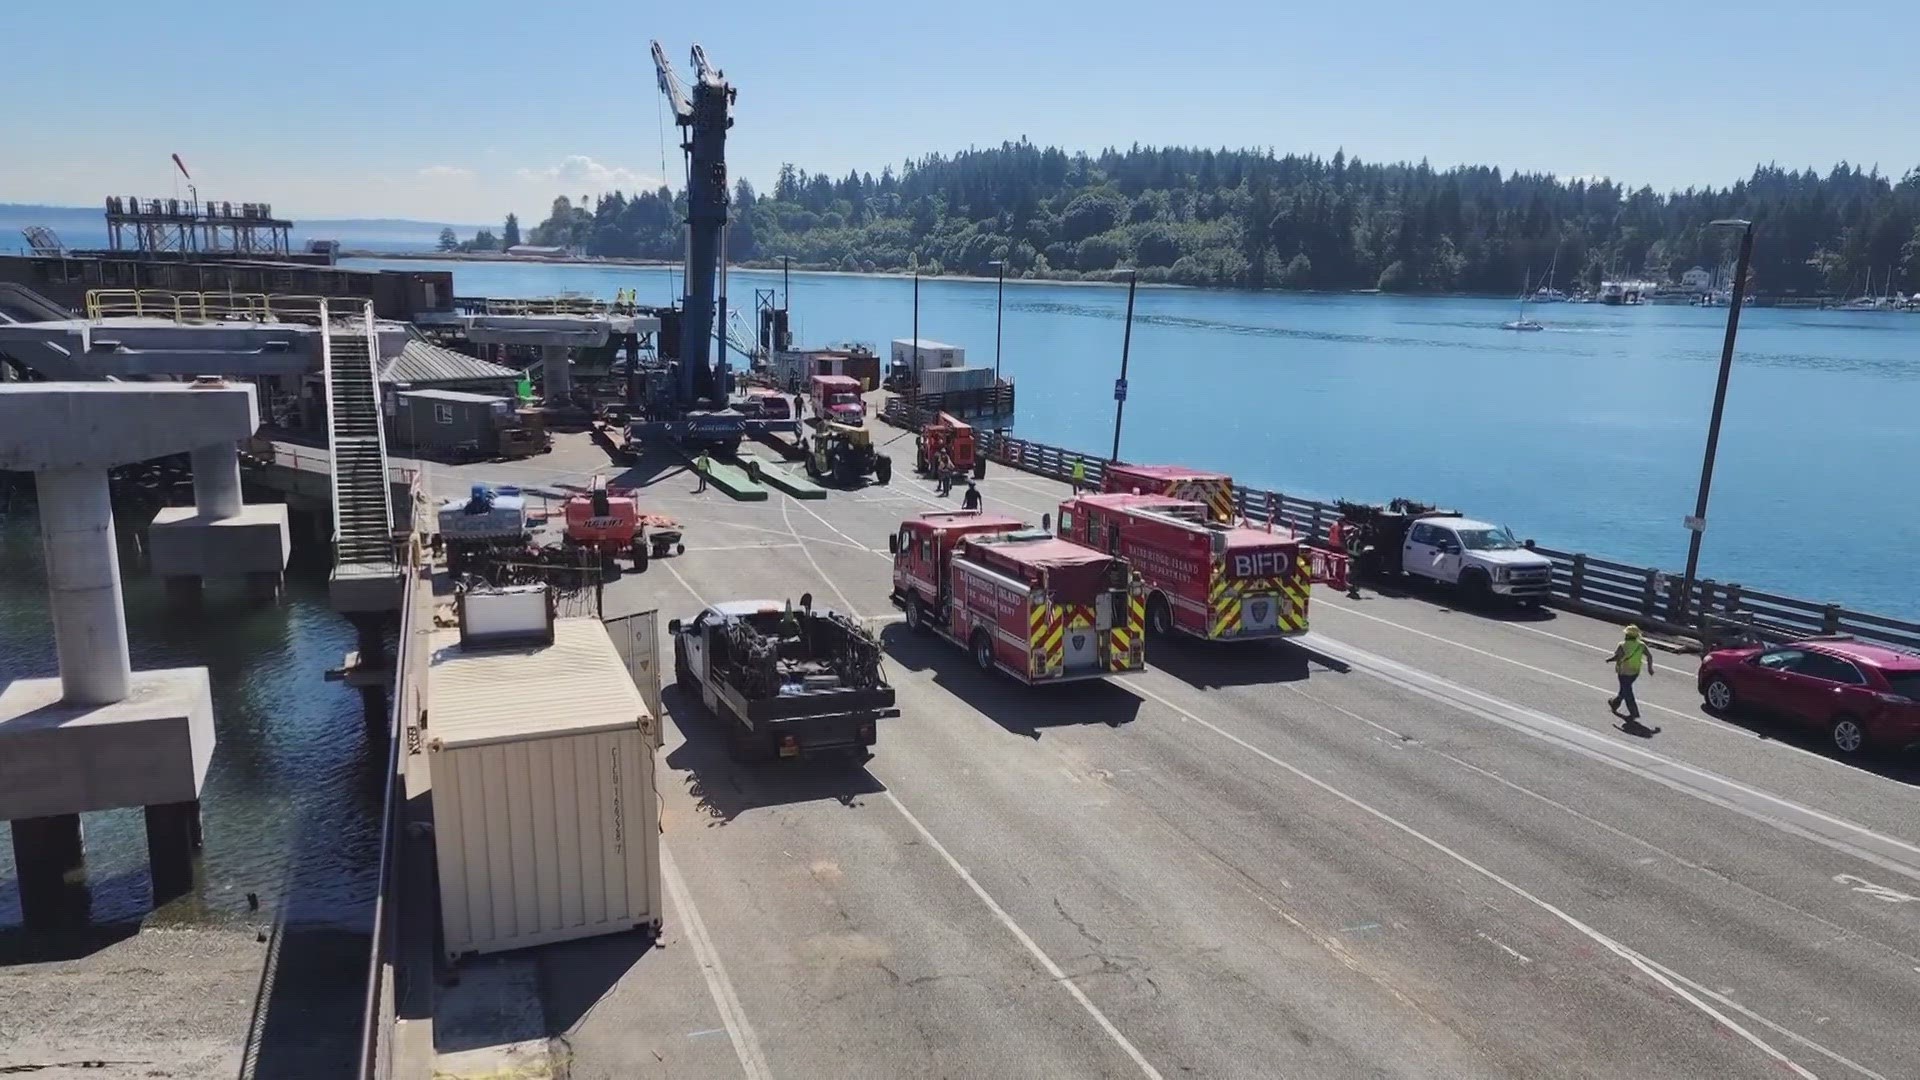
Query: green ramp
x=791 y=481
x=732 y=479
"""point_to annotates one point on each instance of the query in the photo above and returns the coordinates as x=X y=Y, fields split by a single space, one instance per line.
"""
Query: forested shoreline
x=1250 y=219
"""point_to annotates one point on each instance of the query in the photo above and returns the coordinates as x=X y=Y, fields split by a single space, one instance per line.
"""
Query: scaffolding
x=184 y=226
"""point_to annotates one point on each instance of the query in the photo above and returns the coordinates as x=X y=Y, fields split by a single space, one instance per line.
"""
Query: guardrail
x=1713 y=612
x=384 y=980
x=205 y=307
x=982 y=401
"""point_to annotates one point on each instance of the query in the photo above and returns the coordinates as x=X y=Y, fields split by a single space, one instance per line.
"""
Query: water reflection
x=292 y=797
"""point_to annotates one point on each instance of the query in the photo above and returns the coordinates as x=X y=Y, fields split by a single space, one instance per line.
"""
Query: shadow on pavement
x=1022 y=710
x=724 y=787
x=1450 y=600
x=1228 y=663
x=1900 y=766
x=575 y=975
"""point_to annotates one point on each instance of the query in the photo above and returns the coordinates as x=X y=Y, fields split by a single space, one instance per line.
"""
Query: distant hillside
x=86 y=227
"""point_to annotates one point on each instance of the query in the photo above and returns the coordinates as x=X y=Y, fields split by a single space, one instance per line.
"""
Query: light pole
x=1697 y=524
x=1126 y=345
x=999 y=309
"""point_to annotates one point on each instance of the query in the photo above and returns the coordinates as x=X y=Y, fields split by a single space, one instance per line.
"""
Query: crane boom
x=670 y=86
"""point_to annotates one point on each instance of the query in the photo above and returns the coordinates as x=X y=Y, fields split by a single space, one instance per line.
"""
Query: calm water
x=291 y=804
x=1587 y=436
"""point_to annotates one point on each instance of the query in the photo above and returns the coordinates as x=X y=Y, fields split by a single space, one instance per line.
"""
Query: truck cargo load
x=1212 y=488
x=789 y=682
x=1018 y=599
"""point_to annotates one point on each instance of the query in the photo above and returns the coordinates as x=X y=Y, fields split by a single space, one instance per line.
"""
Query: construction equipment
x=1212 y=581
x=608 y=521
x=487 y=524
x=684 y=398
x=953 y=436
x=845 y=454
x=1020 y=601
x=787 y=682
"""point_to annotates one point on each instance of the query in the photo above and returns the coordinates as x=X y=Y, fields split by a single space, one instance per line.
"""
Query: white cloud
x=445 y=172
x=585 y=175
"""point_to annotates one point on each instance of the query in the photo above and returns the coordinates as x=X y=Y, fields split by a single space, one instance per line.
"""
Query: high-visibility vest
x=1633 y=653
x=1079 y=470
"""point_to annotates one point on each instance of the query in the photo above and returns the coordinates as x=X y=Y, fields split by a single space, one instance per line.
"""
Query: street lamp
x=1697 y=524
x=1126 y=345
x=999 y=307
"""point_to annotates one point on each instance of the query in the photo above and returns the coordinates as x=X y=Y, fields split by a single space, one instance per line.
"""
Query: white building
x=1697 y=280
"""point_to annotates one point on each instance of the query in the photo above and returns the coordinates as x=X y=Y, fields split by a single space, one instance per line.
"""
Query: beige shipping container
x=546 y=822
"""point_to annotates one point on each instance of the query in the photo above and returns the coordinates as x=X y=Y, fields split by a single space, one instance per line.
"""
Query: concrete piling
x=49 y=856
x=173 y=837
x=83 y=584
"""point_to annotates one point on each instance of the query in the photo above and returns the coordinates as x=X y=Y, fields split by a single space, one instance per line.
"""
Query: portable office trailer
x=449 y=420
x=541 y=758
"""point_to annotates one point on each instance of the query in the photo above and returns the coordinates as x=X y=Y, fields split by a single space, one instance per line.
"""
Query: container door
x=637 y=639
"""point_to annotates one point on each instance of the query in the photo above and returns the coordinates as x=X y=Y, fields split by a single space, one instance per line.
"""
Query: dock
x=1411 y=843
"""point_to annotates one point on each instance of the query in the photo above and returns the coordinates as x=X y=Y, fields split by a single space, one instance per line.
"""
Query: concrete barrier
x=733 y=480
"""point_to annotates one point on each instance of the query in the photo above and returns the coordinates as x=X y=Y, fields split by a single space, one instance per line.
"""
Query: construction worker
x=971 y=500
x=701 y=465
x=1627 y=660
x=1079 y=474
x=943 y=464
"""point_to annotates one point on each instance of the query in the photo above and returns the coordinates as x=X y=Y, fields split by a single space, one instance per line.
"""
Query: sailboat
x=1522 y=322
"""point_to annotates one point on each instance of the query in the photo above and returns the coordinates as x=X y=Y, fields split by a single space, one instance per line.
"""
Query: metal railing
x=210 y=307
x=384 y=980
x=1711 y=612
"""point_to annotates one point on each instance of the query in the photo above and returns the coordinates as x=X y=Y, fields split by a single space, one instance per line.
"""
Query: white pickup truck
x=1483 y=560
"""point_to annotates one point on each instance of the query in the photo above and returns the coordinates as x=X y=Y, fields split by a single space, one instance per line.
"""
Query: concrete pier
x=557 y=370
x=50 y=858
x=219 y=535
x=83 y=584
x=102 y=736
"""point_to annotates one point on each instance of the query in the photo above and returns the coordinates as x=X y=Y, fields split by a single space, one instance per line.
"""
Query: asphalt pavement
x=1411 y=844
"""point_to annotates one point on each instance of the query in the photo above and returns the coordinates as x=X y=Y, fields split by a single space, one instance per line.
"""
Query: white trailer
x=540 y=753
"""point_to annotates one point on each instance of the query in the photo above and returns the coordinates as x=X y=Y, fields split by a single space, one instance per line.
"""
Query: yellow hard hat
x=1633 y=631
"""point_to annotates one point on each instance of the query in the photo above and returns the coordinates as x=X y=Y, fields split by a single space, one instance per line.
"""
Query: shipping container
x=541 y=759
x=949 y=380
x=933 y=354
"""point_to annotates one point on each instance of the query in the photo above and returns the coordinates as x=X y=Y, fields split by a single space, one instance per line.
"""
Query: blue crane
x=704 y=119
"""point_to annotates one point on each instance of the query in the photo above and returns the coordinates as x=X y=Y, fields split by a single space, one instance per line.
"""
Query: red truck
x=837 y=398
x=1213 y=581
x=1214 y=489
x=1022 y=601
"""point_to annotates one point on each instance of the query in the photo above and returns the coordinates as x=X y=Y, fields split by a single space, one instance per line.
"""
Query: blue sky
x=463 y=111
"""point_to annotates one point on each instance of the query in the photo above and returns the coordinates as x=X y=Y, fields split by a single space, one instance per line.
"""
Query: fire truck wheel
x=983 y=651
x=1159 y=615
x=916 y=619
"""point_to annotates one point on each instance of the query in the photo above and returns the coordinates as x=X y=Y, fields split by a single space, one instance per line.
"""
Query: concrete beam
x=184 y=542
x=151 y=748
x=98 y=425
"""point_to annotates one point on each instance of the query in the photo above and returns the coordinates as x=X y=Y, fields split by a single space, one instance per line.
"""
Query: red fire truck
x=1041 y=609
x=1212 y=488
x=1214 y=581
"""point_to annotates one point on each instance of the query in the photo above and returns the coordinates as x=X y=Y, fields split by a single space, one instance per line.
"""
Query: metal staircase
x=362 y=505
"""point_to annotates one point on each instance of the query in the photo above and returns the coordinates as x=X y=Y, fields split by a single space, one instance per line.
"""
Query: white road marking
x=1046 y=962
x=1878 y=892
x=1620 y=755
x=746 y=1045
x=788 y=532
x=1504 y=947
x=1711 y=724
x=846 y=604
x=1643 y=964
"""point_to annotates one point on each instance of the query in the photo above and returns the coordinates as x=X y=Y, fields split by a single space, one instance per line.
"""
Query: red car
x=1859 y=694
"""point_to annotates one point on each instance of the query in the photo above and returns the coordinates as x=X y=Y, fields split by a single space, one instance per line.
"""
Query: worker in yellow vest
x=1079 y=474
x=1628 y=658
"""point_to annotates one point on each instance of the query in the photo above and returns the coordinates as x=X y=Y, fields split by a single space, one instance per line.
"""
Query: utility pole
x=1126 y=346
x=913 y=371
x=999 y=309
x=1697 y=524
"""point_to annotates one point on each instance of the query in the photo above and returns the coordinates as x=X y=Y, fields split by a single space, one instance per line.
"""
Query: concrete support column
x=83 y=583
x=559 y=375
x=216 y=480
x=264 y=586
x=50 y=859
x=173 y=835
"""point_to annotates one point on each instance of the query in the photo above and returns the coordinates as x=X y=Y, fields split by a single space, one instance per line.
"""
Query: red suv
x=1859 y=694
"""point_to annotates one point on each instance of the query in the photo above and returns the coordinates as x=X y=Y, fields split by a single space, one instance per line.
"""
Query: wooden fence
x=1715 y=612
